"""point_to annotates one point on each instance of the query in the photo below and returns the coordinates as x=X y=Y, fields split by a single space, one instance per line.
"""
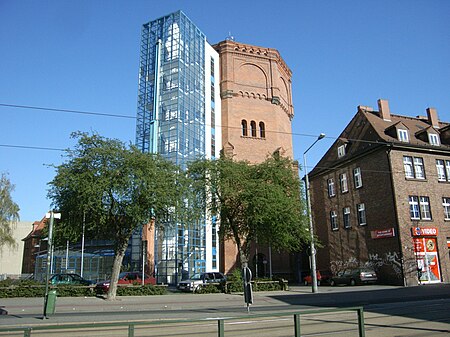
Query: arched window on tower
x=244 y=128
x=262 y=130
x=253 y=128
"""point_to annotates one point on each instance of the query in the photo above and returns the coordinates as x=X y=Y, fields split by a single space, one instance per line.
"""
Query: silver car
x=198 y=280
x=354 y=276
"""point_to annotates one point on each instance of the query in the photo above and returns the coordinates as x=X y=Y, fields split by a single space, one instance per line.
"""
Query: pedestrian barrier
x=27 y=331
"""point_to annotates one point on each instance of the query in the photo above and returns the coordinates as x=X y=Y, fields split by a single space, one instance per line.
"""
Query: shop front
x=427 y=254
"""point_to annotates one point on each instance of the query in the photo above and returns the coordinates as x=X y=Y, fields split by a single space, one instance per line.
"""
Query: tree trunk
x=117 y=264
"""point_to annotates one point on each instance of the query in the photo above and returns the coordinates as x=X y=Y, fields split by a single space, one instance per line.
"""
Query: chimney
x=383 y=107
x=433 y=117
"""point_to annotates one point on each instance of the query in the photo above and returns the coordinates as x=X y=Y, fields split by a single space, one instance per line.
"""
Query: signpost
x=248 y=293
x=49 y=301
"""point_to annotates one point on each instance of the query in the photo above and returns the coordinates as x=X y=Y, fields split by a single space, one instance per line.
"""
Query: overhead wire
x=102 y=114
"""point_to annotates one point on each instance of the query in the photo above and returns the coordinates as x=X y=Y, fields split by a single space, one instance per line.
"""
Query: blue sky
x=84 y=55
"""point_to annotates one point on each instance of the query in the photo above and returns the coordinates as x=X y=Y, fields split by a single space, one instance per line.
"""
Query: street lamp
x=311 y=229
x=50 y=215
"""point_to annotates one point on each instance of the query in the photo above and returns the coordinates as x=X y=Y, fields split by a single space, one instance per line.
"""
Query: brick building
x=381 y=197
x=256 y=96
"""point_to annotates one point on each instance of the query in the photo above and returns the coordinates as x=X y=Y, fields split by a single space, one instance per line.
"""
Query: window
x=433 y=138
x=414 y=168
x=346 y=217
x=253 y=128
x=331 y=191
x=446 y=205
x=262 y=130
x=341 y=151
x=333 y=221
x=357 y=177
x=344 y=184
x=425 y=211
x=361 y=214
x=419 y=208
x=414 y=207
x=212 y=67
x=213 y=118
x=418 y=168
x=244 y=128
x=403 y=135
x=213 y=145
x=408 y=166
x=443 y=169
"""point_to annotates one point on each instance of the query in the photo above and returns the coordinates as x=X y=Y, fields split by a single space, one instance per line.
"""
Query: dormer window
x=434 y=139
x=341 y=151
x=403 y=135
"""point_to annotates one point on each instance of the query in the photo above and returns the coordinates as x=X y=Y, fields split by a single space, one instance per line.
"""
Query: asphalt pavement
x=29 y=311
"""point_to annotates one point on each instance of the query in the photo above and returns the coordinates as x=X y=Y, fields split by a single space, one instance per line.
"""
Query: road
x=388 y=311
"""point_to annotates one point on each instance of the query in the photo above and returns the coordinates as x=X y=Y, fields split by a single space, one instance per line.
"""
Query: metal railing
x=27 y=331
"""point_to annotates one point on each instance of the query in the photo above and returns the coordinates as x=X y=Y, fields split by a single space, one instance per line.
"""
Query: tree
x=117 y=189
x=254 y=202
x=9 y=213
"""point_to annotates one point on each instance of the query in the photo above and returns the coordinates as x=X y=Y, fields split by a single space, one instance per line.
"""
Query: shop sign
x=384 y=233
x=424 y=231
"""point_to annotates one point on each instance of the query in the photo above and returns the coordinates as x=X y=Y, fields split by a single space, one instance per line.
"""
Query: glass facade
x=176 y=117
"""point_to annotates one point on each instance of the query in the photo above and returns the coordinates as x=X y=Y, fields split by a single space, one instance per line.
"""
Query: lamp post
x=50 y=215
x=311 y=228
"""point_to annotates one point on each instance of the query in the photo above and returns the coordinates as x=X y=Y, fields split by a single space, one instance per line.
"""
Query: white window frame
x=361 y=214
x=425 y=210
x=346 y=217
x=331 y=188
x=440 y=168
x=357 y=177
x=446 y=206
x=341 y=151
x=344 y=182
x=434 y=139
x=414 y=167
x=403 y=135
x=443 y=169
x=414 y=210
x=333 y=221
x=447 y=169
x=419 y=168
x=408 y=166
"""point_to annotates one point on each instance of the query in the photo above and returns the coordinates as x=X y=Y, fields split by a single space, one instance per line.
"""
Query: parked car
x=69 y=279
x=323 y=277
x=125 y=278
x=197 y=280
x=354 y=276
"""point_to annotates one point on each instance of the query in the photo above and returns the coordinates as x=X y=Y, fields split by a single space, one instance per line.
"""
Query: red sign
x=384 y=233
x=427 y=231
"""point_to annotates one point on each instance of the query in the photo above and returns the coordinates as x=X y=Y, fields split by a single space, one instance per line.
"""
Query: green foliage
x=9 y=289
x=113 y=189
x=140 y=290
x=234 y=282
x=9 y=213
x=254 y=201
x=210 y=289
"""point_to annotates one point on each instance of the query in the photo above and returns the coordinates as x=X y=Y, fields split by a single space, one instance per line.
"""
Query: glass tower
x=178 y=116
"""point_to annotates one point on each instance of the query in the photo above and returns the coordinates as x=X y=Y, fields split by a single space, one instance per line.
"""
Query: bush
x=141 y=290
x=210 y=289
x=235 y=283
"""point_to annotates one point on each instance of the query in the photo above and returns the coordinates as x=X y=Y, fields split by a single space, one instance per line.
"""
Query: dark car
x=199 y=279
x=354 y=276
x=69 y=279
x=125 y=278
x=323 y=277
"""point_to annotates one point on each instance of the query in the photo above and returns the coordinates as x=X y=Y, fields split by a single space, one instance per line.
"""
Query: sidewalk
x=29 y=311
